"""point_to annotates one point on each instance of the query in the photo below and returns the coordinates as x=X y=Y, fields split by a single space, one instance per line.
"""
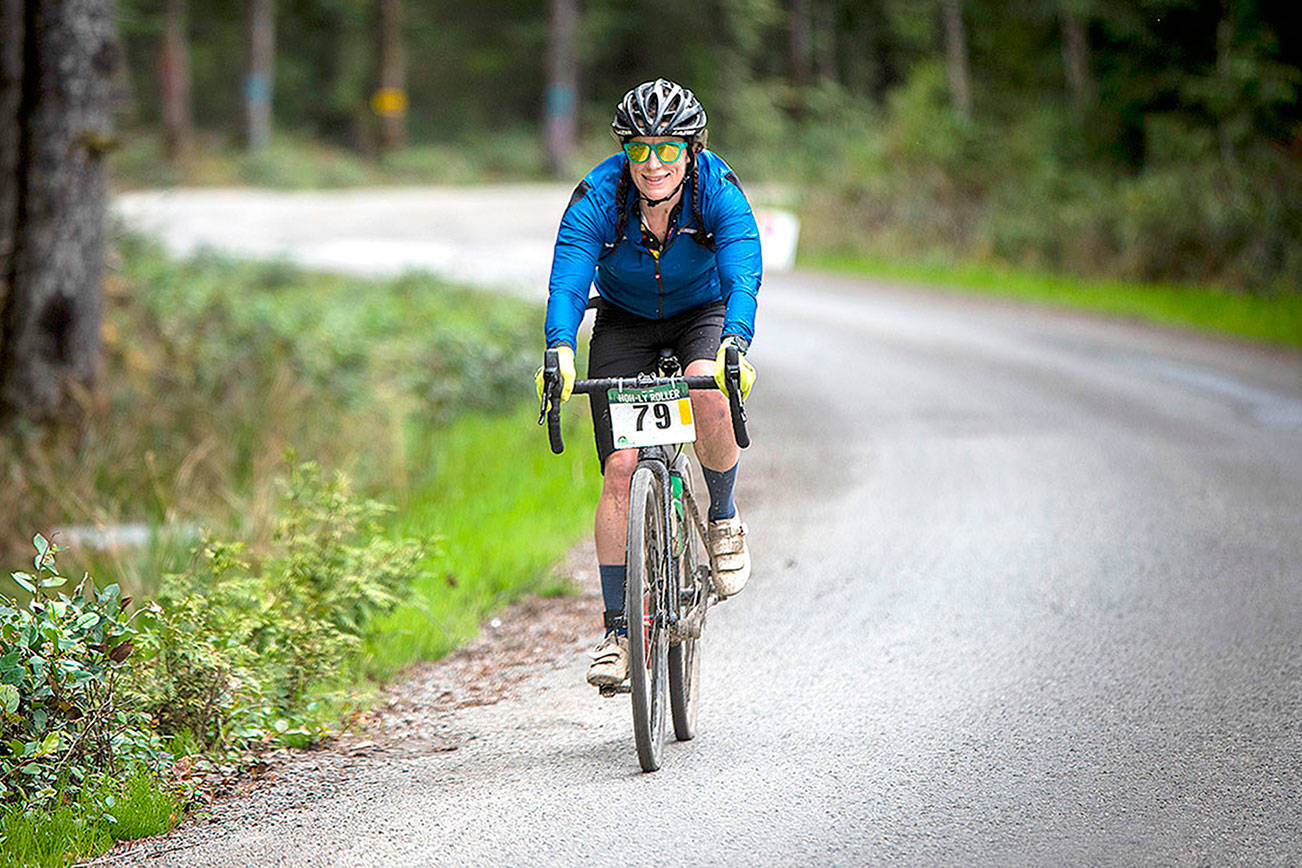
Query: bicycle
x=668 y=589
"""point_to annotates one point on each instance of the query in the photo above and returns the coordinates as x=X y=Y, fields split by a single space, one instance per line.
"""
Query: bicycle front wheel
x=644 y=608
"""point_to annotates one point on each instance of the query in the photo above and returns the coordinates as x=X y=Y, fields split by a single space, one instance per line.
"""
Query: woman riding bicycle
x=657 y=290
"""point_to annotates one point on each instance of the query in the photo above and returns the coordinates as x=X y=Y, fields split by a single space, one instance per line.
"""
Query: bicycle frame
x=550 y=413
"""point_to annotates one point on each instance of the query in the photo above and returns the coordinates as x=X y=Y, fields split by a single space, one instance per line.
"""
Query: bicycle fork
x=655 y=458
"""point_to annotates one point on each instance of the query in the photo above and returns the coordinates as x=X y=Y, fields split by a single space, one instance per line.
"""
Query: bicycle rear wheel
x=644 y=609
x=685 y=654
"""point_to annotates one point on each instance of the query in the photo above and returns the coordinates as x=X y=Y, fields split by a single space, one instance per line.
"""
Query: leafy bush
x=64 y=720
x=234 y=646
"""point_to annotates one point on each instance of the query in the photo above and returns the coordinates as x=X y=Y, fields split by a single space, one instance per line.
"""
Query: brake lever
x=737 y=409
x=550 y=411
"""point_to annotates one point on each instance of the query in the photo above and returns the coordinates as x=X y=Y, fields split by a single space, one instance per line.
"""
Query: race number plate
x=651 y=416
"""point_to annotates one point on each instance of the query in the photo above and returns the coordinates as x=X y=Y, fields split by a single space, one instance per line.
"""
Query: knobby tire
x=643 y=604
x=684 y=656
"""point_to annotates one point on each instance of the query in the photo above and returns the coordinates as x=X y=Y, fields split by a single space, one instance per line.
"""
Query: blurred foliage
x=994 y=193
x=1180 y=161
x=213 y=368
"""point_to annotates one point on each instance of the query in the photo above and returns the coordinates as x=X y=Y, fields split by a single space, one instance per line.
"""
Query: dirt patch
x=535 y=633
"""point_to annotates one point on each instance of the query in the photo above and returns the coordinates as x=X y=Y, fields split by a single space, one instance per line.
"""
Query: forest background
x=1156 y=140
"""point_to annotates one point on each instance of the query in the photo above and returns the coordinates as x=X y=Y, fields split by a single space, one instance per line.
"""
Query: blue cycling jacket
x=690 y=274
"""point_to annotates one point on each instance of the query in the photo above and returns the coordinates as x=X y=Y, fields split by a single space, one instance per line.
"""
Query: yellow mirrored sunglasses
x=666 y=152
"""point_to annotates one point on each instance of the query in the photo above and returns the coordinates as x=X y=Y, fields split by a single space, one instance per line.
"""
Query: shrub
x=63 y=718
x=234 y=645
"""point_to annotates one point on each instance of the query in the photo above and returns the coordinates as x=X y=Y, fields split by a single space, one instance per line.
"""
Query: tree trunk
x=389 y=102
x=259 y=81
x=802 y=41
x=960 y=85
x=1076 y=59
x=12 y=32
x=825 y=51
x=60 y=55
x=174 y=79
x=561 y=124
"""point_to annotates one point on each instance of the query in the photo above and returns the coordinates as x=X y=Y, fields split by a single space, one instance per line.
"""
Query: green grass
x=67 y=833
x=505 y=510
x=1273 y=319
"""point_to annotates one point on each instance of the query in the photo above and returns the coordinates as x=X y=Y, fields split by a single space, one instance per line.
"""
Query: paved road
x=1028 y=589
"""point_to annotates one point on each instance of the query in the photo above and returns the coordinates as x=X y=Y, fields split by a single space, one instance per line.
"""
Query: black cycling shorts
x=625 y=345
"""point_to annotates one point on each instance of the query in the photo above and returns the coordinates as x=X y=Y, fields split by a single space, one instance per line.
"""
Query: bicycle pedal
x=609 y=690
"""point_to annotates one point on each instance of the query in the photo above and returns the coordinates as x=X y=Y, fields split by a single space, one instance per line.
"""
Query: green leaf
x=42 y=545
x=88 y=619
x=54 y=582
x=51 y=743
x=9 y=698
x=282 y=725
x=110 y=595
x=25 y=581
x=109 y=801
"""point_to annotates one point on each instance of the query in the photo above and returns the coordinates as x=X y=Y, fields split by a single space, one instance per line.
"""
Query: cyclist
x=624 y=231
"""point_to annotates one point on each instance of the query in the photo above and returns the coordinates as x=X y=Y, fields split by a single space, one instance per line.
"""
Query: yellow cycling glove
x=747 y=369
x=566 y=358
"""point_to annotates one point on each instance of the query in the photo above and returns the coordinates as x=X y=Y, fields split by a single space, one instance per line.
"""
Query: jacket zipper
x=670 y=237
x=660 y=302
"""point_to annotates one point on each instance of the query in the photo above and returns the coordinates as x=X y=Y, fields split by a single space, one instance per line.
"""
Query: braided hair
x=700 y=236
x=621 y=204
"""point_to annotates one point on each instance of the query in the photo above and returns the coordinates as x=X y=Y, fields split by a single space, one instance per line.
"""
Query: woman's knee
x=710 y=407
x=619 y=470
